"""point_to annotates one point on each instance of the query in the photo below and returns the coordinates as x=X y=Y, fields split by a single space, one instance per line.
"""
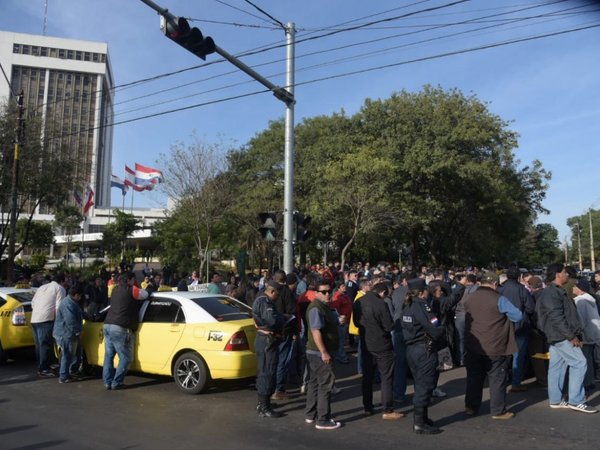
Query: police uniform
x=421 y=330
x=269 y=325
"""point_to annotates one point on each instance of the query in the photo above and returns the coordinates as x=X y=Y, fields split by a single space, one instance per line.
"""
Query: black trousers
x=423 y=366
x=318 y=389
x=384 y=361
x=266 y=348
x=497 y=369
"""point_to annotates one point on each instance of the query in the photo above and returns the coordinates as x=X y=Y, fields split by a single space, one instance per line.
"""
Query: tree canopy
x=434 y=170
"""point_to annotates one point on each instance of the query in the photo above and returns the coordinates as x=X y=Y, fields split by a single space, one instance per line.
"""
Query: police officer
x=269 y=326
x=421 y=331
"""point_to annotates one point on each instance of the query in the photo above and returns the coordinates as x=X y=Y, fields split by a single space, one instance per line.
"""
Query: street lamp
x=324 y=246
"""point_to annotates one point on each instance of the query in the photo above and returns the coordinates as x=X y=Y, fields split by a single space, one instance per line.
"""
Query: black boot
x=426 y=418
x=264 y=410
x=420 y=426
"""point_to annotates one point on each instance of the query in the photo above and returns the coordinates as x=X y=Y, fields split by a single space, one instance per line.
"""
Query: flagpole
x=124 y=194
x=132 y=194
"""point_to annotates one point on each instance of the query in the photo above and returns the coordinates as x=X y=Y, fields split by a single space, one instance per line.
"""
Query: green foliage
x=433 y=169
x=540 y=246
x=581 y=238
x=114 y=235
x=35 y=235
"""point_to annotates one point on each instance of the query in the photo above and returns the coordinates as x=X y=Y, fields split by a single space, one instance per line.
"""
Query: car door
x=159 y=331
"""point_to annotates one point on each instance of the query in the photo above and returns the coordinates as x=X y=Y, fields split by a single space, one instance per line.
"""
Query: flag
x=147 y=175
x=115 y=181
x=77 y=198
x=89 y=202
x=130 y=180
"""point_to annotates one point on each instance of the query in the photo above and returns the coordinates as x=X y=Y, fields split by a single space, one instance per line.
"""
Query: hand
x=326 y=358
x=576 y=342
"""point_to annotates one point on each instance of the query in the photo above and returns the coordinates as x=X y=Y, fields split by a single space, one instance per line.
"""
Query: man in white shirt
x=44 y=305
x=590 y=321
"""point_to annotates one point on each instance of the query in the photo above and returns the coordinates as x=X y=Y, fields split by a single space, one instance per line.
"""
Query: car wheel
x=190 y=373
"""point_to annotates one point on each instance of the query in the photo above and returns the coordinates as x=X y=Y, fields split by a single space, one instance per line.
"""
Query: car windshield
x=224 y=309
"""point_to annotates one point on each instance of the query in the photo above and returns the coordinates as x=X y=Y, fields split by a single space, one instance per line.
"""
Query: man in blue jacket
x=520 y=297
x=66 y=332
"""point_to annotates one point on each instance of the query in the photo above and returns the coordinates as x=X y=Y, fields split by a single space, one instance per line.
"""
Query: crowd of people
x=495 y=323
x=398 y=322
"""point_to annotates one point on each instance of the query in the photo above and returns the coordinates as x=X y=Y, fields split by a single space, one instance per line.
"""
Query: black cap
x=417 y=284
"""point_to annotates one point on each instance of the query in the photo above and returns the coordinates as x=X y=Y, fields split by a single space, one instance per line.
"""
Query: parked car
x=15 y=320
x=193 y=337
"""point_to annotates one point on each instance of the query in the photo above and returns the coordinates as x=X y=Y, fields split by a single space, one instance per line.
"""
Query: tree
x=68 y=219
x=540 y=246
x=197 y=181
x=38 y=235
x=114 y=235
x=46 y=172
x=580 y=228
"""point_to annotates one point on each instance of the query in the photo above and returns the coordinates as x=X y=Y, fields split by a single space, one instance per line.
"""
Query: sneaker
x=392 y=415
x=561 y=405
x=119 y=387
x=328 y=425
x=46 y=374
x=582 y=407
x=437 y=392
x=506 y=415
x=303 y=389
x=308 y=420
x=280 y=395
x=335 y=390
x=66 y=380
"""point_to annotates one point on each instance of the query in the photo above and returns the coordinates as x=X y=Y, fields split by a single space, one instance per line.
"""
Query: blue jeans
x=562 y=356
x=42 y=335
x=400 y=365
x=459 y=324
x=342 y=332
x=117 y=341
x=68 y=357
x=519 y=358
x=285 y=356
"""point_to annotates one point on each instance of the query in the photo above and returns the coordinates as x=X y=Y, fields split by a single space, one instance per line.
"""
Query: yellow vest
x=353 y=329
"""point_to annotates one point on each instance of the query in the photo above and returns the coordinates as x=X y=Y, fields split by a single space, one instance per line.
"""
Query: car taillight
x=18 y=317
x=237 y=342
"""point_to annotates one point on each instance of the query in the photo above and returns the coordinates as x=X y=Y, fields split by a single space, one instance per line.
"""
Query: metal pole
x=288 y=204
x=592 y=255
x=579 y=246
x=14 y=191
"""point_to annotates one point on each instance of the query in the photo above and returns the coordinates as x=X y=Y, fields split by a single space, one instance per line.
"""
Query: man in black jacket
x=520 y=297
x=372 y=317
x=557 y=319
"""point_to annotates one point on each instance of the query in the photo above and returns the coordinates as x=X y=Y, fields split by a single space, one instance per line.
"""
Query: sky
x=546 y=84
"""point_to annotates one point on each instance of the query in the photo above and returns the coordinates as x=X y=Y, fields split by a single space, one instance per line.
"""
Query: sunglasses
x=325 y=291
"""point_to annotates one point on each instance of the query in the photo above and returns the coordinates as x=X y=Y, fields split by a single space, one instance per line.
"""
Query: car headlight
x=18 y=317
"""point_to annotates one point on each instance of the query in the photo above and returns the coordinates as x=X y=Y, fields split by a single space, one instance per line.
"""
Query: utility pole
x=579 y=246
x=178 y=30
x=14 y=190
x=592 y=255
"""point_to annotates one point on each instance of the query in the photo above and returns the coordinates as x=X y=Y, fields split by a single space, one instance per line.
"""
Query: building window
x=95 y=57
x=43 y=51
x=87 y=56
x=70 y=54
x=61 y=53
x=16 y=48
x=35 y=50
x=26 y=50
x=78 y=56
x=53 y=52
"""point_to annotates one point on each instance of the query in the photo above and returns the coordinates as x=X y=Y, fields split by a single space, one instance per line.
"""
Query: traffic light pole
x=289 y=157
x=287 y=97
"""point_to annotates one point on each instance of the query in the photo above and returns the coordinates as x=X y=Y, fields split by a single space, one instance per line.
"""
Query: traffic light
x=302 y=223
x=178 y=30
x=268 y=227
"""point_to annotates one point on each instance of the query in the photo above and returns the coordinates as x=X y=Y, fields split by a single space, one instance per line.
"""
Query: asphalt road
x=38 y=413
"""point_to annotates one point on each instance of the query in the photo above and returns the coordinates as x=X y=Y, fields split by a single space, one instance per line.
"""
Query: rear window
x=224 y=309
x=22 y=296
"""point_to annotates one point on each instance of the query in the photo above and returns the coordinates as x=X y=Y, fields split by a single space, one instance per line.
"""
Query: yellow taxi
x=193 y=337
x=15 y=317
